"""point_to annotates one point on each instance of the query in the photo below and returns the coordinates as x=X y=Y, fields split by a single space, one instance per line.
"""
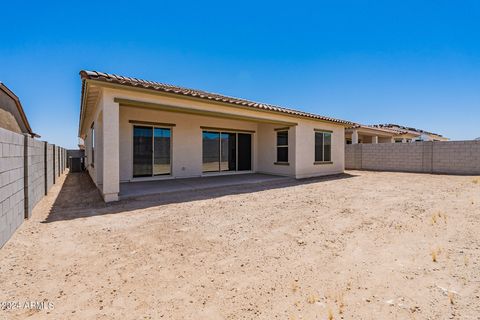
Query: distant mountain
x=478 y=138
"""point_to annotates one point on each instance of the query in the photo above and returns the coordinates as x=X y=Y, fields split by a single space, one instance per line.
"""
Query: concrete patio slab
x=145 y=188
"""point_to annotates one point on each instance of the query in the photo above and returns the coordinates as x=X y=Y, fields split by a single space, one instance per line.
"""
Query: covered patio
x=129 y=190
x=371 y=134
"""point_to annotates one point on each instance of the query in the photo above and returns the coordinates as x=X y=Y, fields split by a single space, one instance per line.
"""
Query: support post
x=110 y=150
x=53 y=162
x=355 y=137
x=375 y=139
x=25 y=178
x=45 y=166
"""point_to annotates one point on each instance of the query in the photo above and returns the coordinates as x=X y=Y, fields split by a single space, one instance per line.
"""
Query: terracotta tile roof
x=373 y=127
x=162 y=87
x=407 y=129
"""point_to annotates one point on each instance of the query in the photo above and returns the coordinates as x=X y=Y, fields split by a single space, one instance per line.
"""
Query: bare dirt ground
x=359 y=246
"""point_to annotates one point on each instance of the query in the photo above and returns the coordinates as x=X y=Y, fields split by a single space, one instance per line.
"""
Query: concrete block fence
x=28 y=169
x=449 y=157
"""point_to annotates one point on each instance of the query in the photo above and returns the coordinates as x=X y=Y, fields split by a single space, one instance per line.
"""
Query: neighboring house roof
x=180 y=91
x=409 y=129
x=391 y=131
x=20 y=116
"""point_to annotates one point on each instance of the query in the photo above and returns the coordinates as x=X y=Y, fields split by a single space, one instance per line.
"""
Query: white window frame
x=323 y=132
x=277 y=131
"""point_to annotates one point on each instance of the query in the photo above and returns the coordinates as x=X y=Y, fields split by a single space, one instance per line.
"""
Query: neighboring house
x=12 y=116
x=422 y=134
x=136 y=130
x=371 y=134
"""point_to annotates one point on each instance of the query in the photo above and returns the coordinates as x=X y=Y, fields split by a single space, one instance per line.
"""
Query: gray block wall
x=26 y=175
x=36 y=173
x=11 y=183
x=462 y=157
x=450 y=157
x=353 y=156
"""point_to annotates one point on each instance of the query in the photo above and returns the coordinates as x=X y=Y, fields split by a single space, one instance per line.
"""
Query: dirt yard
x=361 y=246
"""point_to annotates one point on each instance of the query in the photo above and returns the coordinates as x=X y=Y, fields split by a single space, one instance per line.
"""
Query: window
x=93 y=145
x=323 y=146
x=151 y=151
x=282 y=146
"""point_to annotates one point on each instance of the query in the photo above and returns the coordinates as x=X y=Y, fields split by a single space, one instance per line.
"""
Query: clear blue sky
x=415 y=63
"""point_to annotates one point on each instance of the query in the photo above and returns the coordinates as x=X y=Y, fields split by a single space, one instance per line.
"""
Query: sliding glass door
x=211 y=151
x=142 y=151
x=226 y=151
x=228 y=154
x=161 y=151
x=151 y=151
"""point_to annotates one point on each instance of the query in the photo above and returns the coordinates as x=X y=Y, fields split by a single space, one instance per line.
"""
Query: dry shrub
x=340 y=302
x=295 y=287
x=330 y=314
x=434 y=255
x=434 y=218
x=312 y=299
x=450 y=298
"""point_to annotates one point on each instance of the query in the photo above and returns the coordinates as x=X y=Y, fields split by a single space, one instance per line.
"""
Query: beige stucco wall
x=8 y=121
x=186 y=153
x=89 y=143
x=88 y=153
x=267 y=146
x=305 y=149
x=384 y=140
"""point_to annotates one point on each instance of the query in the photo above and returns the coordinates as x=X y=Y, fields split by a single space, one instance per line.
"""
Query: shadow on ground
x=79 y=198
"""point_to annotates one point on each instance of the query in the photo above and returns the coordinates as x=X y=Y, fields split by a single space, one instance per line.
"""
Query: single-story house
x=359 y=133
x=137 y=130
x=12 y=116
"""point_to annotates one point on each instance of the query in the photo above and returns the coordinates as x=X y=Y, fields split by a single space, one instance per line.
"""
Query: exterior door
x=244 y=152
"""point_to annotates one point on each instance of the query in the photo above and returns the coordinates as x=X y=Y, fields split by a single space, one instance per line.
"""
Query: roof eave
x=85 y=75
x=82 y=104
